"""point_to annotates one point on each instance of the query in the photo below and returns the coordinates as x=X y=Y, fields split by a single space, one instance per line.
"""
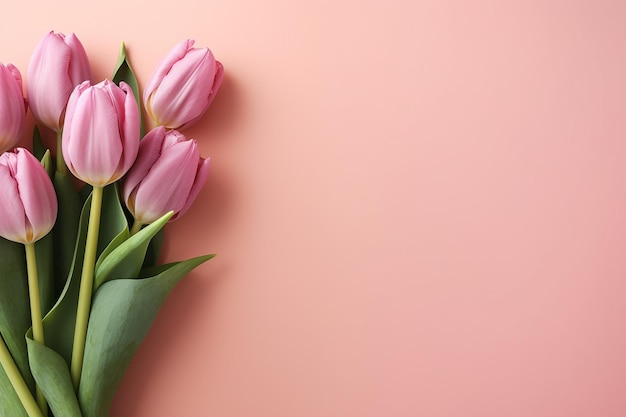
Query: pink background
x=419 y=206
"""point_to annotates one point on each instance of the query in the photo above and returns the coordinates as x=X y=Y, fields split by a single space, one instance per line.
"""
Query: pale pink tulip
x=59 y=63
x=167 y=176
x=12 y=107
x=28 y=207
x=182 y=86
x=101 y=134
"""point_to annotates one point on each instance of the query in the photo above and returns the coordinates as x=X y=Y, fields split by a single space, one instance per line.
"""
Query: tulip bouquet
x=81 y=231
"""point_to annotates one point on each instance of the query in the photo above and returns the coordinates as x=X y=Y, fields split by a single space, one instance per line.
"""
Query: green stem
x=61 y=167
x=86 y=286
x=35 y=310
x=136 y=227
x=20 y=387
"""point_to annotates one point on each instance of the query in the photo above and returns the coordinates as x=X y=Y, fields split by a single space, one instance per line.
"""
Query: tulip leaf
x=59 y=323
x=38 y=148
x=65 y=230
x=116 y=230
x=44 y=248
x=126 y=260
x=14 y=321
x=124 y=72
x=122 y=312
x=53 y=378
x=154 y=250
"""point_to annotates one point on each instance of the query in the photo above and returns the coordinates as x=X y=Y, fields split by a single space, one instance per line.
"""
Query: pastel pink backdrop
x=419 y=206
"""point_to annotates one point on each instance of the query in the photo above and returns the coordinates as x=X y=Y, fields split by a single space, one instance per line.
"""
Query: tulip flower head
x=28 y=207
x=167 y=176
x=101 y=134
x=12 y=107
x=59 y=63
x=182 y=86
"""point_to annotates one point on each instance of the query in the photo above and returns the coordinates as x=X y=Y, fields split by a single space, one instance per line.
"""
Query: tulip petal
x=184 y=93
x=94 y=144
x=149 y=152
x=156 y=195
x=79 y=69
x=202 y=174
x=161 y=70
x=129 y=130
x=37 y=194
x=49 y=84
x=12 y=216
x=12 y=110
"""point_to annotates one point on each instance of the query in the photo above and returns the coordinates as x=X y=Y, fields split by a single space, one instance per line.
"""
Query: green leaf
x=65 y=231
x=10 y=404
x=124 y=72
x=116 y=230
x=154 y=250
x=126 y=260
x=45 y=259
x=53 y=378
x=38 y=148
x=122 y=312
x=14 y=305
x=59 y=323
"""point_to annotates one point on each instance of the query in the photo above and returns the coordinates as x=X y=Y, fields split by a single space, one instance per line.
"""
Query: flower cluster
x=157 y=177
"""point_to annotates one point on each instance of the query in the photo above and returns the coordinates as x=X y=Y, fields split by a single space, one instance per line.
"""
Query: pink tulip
x=167 y=176
x=101 y=134
x=12 y=107
x=59 y=63
x=28 y=207
x=182 y=86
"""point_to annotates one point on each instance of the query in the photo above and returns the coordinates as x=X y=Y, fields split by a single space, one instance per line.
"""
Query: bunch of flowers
x=79 y=280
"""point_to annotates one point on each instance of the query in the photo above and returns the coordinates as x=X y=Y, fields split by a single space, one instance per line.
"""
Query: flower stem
x=86 y=286
x=136 y=227
x=35 y=310
x=20 y=387
x=61 y=166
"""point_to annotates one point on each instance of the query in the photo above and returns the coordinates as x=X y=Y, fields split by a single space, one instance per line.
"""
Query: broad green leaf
x=10 y=404
x=114 y=226
x=65 y=230
x=59 y=323
x=124 y=72
x=154 y=250
x=38 y=148
x=44 y=249
x=14 y=304
x=122 y=312
x=53 y=378
x=126 y=260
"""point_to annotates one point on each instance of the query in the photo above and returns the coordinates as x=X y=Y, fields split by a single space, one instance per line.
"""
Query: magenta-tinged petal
x=202 y=174
x=161 y=70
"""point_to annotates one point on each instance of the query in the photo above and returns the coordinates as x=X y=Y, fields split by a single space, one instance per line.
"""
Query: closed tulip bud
x=167 y=176
x=28 y=207
x=182 y=86
x=101 y=133
x=12 y=107
x=59 y=63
